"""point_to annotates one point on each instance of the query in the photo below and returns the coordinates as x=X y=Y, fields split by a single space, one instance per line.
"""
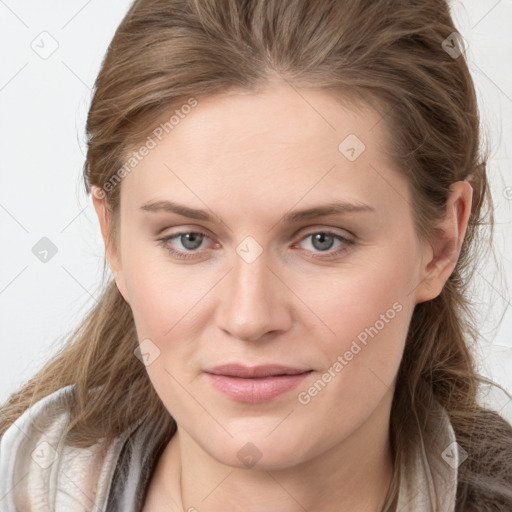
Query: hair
x=387 y=54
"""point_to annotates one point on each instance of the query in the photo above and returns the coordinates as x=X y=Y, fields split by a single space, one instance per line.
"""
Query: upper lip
x=239 y=370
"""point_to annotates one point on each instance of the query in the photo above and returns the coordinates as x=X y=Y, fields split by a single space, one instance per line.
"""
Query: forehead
x=277 y=141
x=280 y=117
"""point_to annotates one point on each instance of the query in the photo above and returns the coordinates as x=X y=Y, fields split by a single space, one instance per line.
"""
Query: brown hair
x=388 y=54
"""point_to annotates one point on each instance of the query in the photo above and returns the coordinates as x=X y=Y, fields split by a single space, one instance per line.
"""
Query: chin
x=259 y=452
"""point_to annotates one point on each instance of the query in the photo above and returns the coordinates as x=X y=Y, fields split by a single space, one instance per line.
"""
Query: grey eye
x=322 y=241
x=191 y=241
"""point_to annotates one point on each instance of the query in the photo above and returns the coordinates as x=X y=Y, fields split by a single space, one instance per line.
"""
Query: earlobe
x=445 y=248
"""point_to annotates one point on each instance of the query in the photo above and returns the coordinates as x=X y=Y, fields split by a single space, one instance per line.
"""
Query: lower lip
x=255 y=390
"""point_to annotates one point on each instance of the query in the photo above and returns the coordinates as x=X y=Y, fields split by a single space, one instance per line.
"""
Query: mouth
x=268 y=370
x=255 y=384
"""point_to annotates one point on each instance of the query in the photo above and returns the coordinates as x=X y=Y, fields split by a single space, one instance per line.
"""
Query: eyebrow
x=338 y=207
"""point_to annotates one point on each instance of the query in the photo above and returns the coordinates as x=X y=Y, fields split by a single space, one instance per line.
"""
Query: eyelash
x=184 y=255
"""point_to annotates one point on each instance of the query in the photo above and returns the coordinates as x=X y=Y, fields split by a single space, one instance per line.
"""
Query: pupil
x=322 y=237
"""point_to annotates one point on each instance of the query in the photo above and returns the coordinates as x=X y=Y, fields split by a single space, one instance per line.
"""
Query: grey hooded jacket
x=39 y=473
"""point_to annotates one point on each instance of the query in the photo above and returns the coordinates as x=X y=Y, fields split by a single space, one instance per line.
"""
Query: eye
x=323 y=241
x=189 y=240
x=191 y=243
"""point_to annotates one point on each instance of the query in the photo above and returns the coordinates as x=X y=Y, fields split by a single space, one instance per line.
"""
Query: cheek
x=162 y=301
x=151 y=301
x=367 y=309
x=355 y=296
x=162 y=294
x=370 y=322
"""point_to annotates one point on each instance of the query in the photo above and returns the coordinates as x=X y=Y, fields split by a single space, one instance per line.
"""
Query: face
x=247 y=279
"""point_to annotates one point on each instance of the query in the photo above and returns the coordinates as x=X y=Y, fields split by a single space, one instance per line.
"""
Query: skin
x=249 y=158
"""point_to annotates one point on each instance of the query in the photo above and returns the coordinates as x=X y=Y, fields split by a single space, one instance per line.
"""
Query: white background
x=44 y=104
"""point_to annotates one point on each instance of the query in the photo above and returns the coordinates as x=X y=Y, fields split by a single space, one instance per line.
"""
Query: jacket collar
x=38 y=472
x=428 y=477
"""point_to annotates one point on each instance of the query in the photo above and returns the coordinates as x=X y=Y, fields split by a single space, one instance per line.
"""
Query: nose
x=254 y=301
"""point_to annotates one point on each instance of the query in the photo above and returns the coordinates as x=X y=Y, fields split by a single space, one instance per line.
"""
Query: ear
x=111 y=251
x=441 y=255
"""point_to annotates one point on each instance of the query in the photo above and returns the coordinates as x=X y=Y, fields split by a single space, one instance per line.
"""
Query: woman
x=290 y=195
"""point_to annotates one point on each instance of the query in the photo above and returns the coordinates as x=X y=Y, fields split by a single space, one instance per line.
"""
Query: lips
x=257 y=383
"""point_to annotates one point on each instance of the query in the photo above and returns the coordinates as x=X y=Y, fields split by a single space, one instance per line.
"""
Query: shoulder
x=38 y=467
